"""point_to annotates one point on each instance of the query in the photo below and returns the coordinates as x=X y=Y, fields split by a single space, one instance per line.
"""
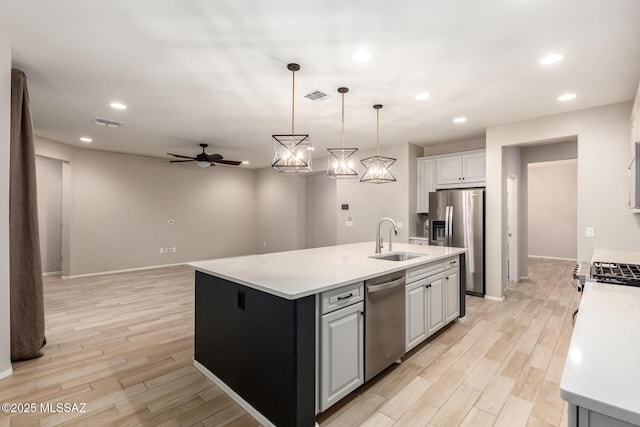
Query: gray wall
x=49 y=181
x=603 y=156
x=281 y=207
x=321 y=210
x=512 y=166
x=416 y=221
x=120 y=207
x=455 y=146
x=553 y=213
x=370 y=202
x=5 y=118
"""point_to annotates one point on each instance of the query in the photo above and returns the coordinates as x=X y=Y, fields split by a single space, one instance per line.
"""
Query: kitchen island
x=257 y=320
x=601 y=378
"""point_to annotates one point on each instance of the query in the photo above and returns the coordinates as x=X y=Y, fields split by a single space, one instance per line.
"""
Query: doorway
x=49 y=187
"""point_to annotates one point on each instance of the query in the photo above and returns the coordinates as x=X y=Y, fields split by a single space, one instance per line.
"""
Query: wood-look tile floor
x=123 y=345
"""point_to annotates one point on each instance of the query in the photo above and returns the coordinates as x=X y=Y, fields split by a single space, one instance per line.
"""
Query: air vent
x=316 y=95
x=108 y=123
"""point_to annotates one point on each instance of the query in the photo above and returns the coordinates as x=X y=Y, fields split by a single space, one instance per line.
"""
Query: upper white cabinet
x=426 y=182
x=461 y=170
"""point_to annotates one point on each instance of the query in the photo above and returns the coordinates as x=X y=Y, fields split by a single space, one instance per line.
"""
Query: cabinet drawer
x=425 y=270
x=342 y=297
x=453 y=262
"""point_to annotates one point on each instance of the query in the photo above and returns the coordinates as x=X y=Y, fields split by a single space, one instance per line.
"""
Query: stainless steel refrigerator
x=456 y=218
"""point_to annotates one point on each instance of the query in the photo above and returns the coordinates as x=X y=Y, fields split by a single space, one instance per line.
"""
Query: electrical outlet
x=399 y=225
x=264 y=244
x=590 y=232
x=161 y=250
x=173 y=249
x=348 y=223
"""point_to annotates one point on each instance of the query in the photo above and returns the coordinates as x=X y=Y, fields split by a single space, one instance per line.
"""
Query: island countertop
x=602 y=372
x=299 y=273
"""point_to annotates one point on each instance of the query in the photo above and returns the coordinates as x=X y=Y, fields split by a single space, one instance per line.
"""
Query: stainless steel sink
x=397 y=256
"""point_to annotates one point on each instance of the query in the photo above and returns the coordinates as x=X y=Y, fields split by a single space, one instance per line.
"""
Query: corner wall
x=603 y=157
x=5 y=124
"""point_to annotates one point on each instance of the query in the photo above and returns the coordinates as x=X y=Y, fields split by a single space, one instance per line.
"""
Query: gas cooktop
x=616 y=273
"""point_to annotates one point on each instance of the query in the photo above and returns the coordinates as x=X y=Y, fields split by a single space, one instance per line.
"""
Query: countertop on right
x=602 y=371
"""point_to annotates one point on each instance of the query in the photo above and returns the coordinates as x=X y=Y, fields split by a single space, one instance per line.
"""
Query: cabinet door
x=473 y=168
x=416 y=313
x=342 y=353
x=426 y=182
x=452 y=294
x=435 y=303
x=448 y=170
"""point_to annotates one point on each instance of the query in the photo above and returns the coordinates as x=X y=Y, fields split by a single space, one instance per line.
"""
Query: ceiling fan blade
x=180 y=156
x=227 y=162
x=180 y=161
x=214 y=157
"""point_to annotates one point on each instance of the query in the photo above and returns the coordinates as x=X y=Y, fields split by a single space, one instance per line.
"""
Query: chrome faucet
x=379 y=243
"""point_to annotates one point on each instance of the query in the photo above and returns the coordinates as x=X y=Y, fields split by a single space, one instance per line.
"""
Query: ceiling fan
x=203 y=159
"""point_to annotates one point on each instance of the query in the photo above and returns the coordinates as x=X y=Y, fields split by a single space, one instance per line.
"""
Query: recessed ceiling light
x=422 y=96
x=245 y=162
x=118 y=105
x=361 y=55
x=459 y=120
x=551 y=59
x=567 y=97
x=85 y=139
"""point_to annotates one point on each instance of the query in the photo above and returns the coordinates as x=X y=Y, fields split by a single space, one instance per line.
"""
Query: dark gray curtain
x=25 y=270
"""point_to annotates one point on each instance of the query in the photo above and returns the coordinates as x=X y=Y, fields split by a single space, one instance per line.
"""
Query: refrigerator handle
x=446 y=225
x=450 y=227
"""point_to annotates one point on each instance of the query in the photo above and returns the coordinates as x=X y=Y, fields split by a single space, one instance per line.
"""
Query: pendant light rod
x=377 y=107
x=343 y=90
x=293 y=68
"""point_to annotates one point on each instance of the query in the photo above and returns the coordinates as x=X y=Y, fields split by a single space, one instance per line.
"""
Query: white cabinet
x=426 y=182
x=583 y=417
x=416 y=299
x=341 y=344
x=461 y=170
x=435 y=303
x=432 y=299
x=452 y=290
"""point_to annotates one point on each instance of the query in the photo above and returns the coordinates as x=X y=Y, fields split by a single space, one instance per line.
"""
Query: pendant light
x=377 y=167
x=293 y=151
x=342 y=161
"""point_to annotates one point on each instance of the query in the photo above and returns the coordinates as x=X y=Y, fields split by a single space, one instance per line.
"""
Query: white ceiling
x=215 y=71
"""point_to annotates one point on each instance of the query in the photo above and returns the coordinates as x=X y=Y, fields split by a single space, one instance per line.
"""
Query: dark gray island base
x=260 y=323
x=260 y=345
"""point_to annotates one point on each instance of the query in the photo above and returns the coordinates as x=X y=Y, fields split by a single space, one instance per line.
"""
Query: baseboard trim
x=490 y=298
x=233 y=395
x=52 y=273
x=553 y=257
x=126 y=270
x=6 y=373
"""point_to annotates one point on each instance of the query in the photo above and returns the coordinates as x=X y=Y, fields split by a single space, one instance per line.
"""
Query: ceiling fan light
x=203 y=164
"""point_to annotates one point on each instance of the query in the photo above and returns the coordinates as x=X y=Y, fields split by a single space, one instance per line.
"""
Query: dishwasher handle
x=385 y=286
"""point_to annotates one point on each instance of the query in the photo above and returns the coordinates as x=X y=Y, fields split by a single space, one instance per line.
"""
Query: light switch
x=590 y=232
x=348 y=223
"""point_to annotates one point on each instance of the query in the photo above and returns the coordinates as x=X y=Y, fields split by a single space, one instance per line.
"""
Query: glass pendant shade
x=292 y=153
x=377 y=170
x=377 y=167
x=203 y=164
x=342 y=163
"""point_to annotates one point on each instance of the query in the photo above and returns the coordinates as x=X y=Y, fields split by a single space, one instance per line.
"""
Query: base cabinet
x=582 y=417
x=342 y=353
x=435 y=304
x=452 y=289
x=432 y=299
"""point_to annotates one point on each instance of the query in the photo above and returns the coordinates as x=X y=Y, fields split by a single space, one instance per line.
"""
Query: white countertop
x=602 y=371
x=614 y=256
x=296 y=274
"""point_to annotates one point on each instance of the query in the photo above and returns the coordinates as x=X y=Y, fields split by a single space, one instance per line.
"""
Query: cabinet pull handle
x=349 y=295
x=451 y=262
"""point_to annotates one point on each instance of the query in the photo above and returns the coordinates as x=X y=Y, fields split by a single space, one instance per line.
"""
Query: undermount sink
x=397 y=256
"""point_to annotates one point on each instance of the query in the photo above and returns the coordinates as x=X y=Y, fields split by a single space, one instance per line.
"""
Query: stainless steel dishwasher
x=384 y=329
